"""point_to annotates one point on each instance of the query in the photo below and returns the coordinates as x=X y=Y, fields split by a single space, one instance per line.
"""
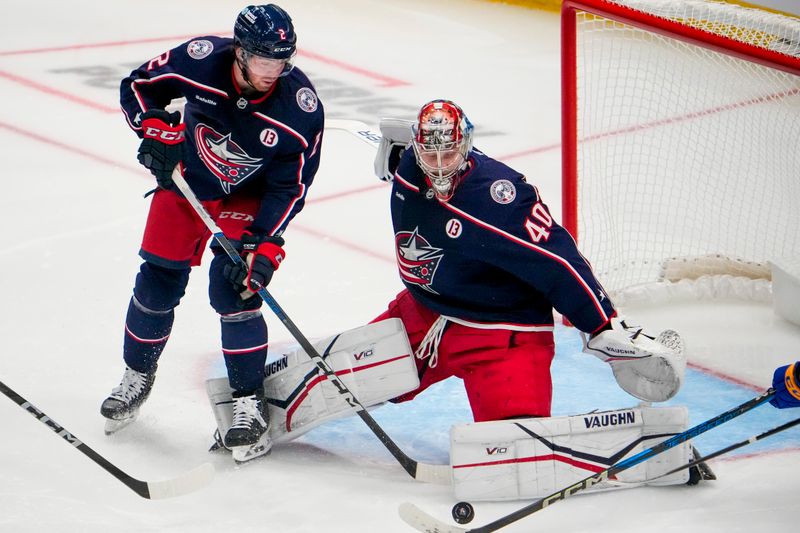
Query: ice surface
x=73 y=214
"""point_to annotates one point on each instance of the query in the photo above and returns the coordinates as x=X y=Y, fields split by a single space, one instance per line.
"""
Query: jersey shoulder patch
x=503 y=191
x=307 y=99
x=199 y=48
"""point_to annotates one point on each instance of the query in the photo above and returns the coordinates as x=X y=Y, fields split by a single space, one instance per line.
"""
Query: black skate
x=122 y=406
x=701 y=471
x=248 y=436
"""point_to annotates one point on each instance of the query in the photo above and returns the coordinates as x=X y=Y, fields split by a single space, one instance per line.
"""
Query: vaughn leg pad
x=375 y=363
x=534 y=457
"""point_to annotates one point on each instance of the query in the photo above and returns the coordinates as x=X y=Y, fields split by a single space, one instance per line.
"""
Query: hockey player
x=786 y=382
x=249 y=144
x=484 y=264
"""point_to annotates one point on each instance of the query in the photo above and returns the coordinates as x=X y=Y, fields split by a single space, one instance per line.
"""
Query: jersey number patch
x=159 y=61
x=539 y=224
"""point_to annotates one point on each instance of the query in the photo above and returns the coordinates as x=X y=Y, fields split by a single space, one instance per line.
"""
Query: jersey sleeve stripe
x=402 y=181
x=285 y=217
x=555 y=257
x=284 y=127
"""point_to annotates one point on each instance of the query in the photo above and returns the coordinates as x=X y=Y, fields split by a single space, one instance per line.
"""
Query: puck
x=463 y=513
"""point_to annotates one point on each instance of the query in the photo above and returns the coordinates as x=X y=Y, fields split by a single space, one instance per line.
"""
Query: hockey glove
x=649 y=368
x=262 y=255
x=162 y=146
x=786 y=382
x=395 y=135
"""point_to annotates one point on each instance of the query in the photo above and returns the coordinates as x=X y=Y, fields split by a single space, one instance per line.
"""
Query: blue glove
x=786 y=382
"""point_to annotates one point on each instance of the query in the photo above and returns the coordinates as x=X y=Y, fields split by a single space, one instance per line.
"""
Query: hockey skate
x=701 y=471
x=248 y=436
x=122 y=406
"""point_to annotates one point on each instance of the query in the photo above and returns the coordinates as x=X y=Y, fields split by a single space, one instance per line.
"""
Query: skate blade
x=243 y=454
x=218 y=445
x=112 y=426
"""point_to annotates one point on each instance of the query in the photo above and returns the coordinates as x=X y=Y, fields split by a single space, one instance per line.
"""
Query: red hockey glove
x=162 y=146
x=262 y=256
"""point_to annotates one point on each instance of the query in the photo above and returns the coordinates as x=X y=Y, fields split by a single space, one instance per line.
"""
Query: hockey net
x=681 y=138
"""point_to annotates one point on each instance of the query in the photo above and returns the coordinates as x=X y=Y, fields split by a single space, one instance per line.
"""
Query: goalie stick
x=422 y=521
x=428 y=473
x=190 y=481
x=355 y=127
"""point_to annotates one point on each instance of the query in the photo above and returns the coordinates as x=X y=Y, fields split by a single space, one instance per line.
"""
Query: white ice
x=73 y=212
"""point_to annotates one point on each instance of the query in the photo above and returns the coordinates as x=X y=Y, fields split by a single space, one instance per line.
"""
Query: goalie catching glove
x=162 y=144
x=395 y=135
x=649 y=368
x=262 y=255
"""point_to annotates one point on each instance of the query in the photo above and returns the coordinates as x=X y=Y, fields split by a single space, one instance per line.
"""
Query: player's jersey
x=268 y=147
x=492 y=253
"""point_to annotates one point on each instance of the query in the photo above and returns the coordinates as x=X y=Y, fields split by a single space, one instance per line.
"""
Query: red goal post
x=680 y=138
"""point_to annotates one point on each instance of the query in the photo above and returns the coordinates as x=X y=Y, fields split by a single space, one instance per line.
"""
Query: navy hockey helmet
x=266 y=31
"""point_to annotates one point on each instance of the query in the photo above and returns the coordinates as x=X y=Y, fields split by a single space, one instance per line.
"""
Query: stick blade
x=422 y=521
x=436 y=474
x=193 y=480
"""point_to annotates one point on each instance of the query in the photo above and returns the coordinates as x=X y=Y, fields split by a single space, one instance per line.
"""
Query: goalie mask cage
x=681 y=138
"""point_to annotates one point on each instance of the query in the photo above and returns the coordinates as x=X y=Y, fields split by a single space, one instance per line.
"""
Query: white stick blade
x=357 y=128
x=191 y=481
x=436 y=474
x=422 y=521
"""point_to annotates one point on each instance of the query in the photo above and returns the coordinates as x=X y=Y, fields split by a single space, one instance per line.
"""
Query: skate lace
x=245 y=410
x=132 y=385
x=429 y=347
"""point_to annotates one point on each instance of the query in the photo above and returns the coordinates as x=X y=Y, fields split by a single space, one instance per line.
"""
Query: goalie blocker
x=534 y=457
x=374 y=362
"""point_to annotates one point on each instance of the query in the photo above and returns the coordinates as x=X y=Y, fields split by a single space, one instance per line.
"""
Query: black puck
x=463 y=513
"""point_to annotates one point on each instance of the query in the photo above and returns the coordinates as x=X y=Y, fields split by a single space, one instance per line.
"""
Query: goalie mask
x=442 y=142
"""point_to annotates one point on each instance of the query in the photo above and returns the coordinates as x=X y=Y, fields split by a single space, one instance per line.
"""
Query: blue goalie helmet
x=265 y=31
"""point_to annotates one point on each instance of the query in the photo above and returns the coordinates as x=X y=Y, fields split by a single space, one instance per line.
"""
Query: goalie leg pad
x=375 y=363
x=535 y=457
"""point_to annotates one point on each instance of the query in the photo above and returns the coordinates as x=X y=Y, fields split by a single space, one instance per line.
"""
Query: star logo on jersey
x=223 y=157
x=417 y=260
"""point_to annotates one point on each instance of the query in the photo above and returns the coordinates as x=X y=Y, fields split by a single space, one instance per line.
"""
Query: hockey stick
x=152 y=490
x=420 y=471
x=422 y=521
x=732 y=447
x=355 y=127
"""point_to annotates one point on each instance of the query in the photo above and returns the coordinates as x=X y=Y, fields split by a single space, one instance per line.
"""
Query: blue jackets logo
x=224 y=158
x=417 y=260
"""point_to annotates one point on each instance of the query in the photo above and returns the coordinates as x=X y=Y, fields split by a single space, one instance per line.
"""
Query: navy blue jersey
x=267 y=147
x=492 y=253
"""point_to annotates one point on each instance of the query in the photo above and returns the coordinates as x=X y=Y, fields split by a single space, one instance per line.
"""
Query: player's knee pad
x=535 y=457
x=158 y=288
x=222 y=295
x=374 y=362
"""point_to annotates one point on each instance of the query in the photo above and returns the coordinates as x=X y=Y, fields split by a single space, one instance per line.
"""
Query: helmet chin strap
x=243 y=69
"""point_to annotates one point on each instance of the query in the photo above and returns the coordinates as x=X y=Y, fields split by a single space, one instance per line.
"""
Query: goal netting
x=681 y=138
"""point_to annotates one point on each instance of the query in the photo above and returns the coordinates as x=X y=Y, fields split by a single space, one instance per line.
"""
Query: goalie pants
x=506 y=373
